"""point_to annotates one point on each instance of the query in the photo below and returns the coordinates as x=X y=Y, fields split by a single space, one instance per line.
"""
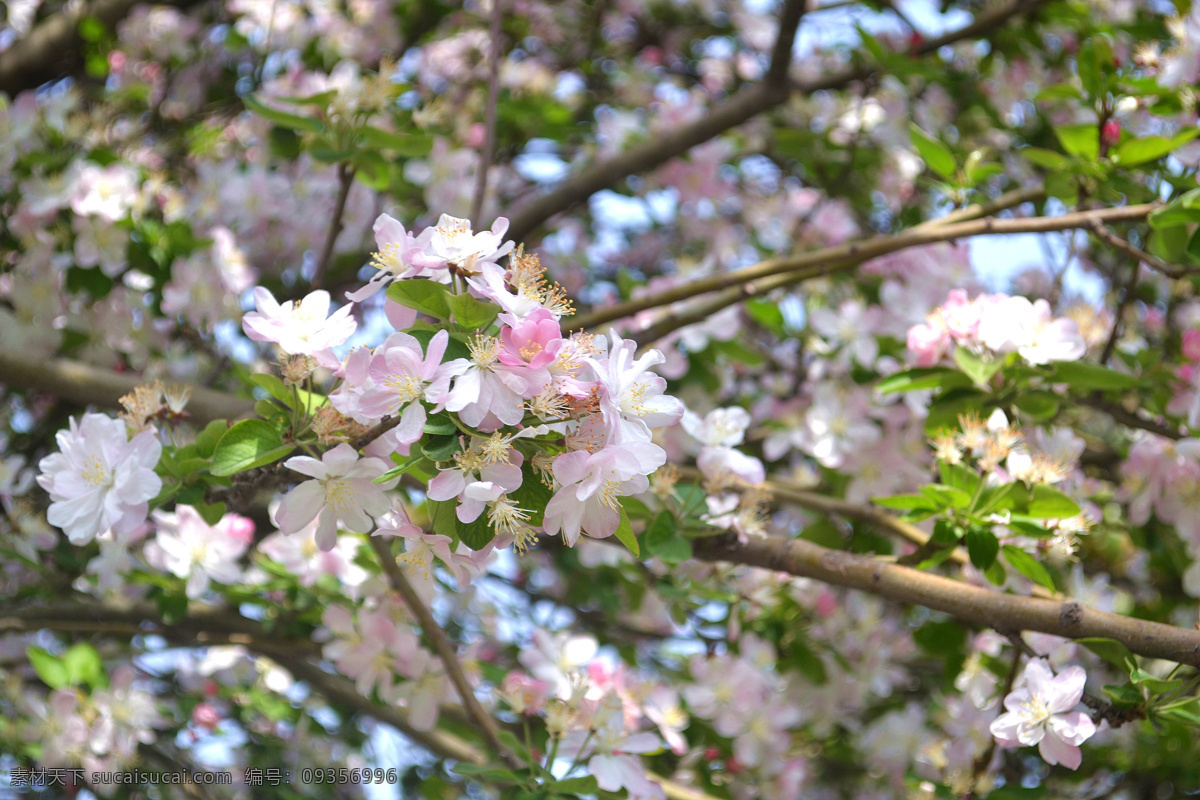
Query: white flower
x=188 y=547
x=298 y=329
x=342 y=491
x=632 y=398
x=721 y=427
x=101 y=479
x=1037 y=714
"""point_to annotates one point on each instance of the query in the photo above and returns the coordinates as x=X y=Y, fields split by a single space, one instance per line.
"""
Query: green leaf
x=663 y=540
x=477 y=534
x=1153 y=684
x=1169 y=244
x=941 y=638
x=1063 y=186
x=1046 y=502
x=585 y=785
x=1047 y=159
x=406 y=463
x=946 y=496
x=49 y=668
x=485 y=772
x=1082 y=376
x=1080 y=140
x=471 y=313
x=994 y=498
x=402 y=144
x=995 y=574
x=442 y=518
x=959 y=477
x=1151 y=148
x=1028 y=566
x=426 y=296
x=982 y=546
x=912 y=380
x=936 y=155
x=906 y=502
x=83 y=666
x=532 y=495
x=1182 y=210
x=207 y=439
x=248 y=444
x=1038 y=404
x=1110 y=650
x=626 y=536
x=979 y=369
x=211 y=513
x=274 y=387
x=283 y=118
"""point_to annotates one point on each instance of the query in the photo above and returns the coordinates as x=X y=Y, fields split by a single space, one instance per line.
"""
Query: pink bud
x=206 y=715
x=1110 y=134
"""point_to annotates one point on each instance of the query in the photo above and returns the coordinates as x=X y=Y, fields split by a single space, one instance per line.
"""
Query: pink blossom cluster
x=100 y=732
x=996 y=324
x=1162 y=477
x=580 y=410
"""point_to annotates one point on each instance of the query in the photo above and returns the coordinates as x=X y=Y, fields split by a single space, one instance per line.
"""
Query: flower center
x=1035 y=711
x=95 y=473
x=340 y=494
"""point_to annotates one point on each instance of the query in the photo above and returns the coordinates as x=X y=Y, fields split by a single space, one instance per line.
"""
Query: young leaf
x=282 y=118
x=1028 y=566
x=1083 y=376
x=626 y=536
x=1046 y=502
x=50 y=668
x=935 y=154
x=248 y=444
x=426 y=296
x=983 y=547
x=1080 y=140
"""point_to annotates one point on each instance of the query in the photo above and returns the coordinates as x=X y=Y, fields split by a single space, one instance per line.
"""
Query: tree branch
x=1112 y=239
x=983 y=607
x=489 y=141
x=87 y=385
x=445 y=650
x=54 y=48
x=731 y=113
x=764 y=277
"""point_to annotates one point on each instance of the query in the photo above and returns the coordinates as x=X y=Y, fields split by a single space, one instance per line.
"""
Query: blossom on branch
x=1039 y=712
x=100 y=479
x=342 y=491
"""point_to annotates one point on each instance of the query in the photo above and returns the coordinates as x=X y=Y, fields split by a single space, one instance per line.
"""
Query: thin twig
x=1113 y=239
x=985 y=759
x=489 y=140
x=345 y=180
x=445 y=650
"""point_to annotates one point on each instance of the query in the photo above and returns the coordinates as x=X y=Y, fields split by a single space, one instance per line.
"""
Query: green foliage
x=248 y=444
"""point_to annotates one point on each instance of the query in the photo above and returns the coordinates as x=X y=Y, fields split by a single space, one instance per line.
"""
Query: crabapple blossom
x=392 y=261
x=590 y=485
x=402 y=375
x=613 y=762
x=188 y=547
x=1039 y=712
x=631 y=397
x=304 y=328
x=342 y=492
x=100 y=478
x=453 y=244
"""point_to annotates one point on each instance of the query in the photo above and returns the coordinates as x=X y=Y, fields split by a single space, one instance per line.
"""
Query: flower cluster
x=578 y=411
x=996 y=324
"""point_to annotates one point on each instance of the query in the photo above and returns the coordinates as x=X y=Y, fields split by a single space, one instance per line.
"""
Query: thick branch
x=87 y=385
x=445 y=650
x=766 y=276
x=735 y=111
x=54 y=48
x=984 y=607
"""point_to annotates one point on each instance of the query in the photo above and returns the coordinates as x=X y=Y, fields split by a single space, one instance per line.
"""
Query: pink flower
x=298 y=329
x=393 y=261
x=402 y=375
x=101 y=479
x=1037 y=714
x=341 y=492
x=188 y=547
x=632 y=398
x=533 y=342
x=1191 y=344
x=488 y=393
x=927 y=344
x=590 y=485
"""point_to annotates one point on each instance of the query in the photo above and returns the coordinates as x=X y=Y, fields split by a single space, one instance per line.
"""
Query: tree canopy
x=654 y=399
